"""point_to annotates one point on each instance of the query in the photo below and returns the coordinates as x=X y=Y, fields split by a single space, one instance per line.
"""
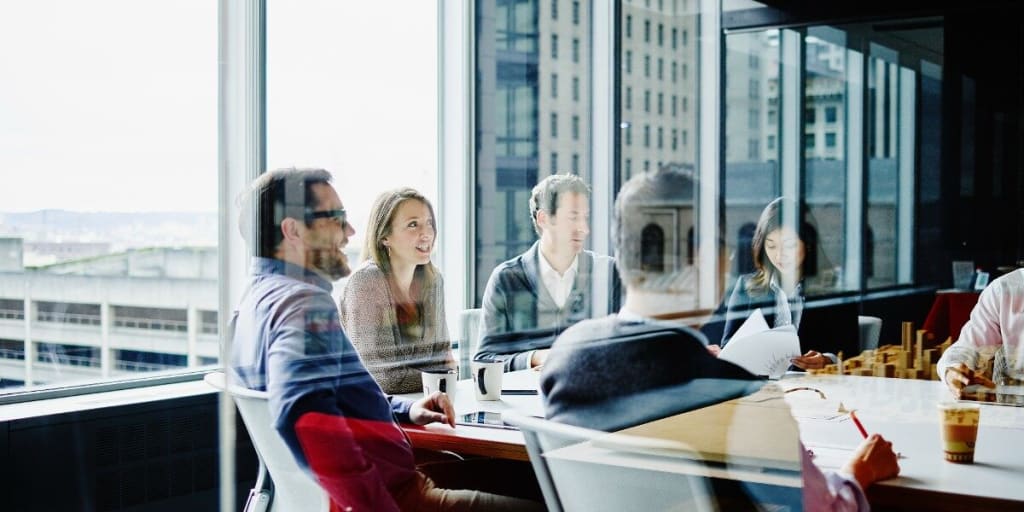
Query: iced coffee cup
x=959 y=430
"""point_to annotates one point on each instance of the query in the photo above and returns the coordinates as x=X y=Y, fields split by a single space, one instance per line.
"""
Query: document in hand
x=760 y=350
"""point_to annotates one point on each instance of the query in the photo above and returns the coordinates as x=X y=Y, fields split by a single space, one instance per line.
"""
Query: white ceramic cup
x=442 y=379
x=487 y=379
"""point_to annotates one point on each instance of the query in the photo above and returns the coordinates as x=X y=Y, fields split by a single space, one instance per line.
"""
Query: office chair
x=293 y=490
x=583 y=469
x=870 y=330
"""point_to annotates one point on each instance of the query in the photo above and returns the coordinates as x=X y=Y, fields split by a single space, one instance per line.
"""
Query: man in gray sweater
x=529 y=299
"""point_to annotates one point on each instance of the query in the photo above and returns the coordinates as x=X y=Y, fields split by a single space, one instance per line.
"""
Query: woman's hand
x=874 y=460
x=812 y=360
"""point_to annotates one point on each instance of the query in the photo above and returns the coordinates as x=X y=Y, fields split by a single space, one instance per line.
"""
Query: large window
x=751 y=180
x=517 y=129
x=108 y=141
x=356 y=113
x=839 y=139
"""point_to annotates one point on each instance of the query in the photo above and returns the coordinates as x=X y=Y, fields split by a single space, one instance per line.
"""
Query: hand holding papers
x=760 y=350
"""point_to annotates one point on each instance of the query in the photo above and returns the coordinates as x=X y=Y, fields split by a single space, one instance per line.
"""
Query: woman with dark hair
x=784 y=258
x=393 y=305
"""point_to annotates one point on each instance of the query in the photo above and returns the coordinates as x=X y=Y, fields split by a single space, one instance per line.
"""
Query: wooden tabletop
x=482 y=441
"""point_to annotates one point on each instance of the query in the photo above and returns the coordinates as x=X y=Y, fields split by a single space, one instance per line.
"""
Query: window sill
x=93 y=401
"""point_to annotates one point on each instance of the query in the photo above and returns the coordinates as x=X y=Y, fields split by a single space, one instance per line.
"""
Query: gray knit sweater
x=368 y=315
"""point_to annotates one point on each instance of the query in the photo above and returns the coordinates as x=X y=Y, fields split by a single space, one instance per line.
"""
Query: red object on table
x=949 y=313
x=853 y=416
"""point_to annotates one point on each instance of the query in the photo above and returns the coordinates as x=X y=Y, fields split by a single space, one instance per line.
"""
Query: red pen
x=853 y=416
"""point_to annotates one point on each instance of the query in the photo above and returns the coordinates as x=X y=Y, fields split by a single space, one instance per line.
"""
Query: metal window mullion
x=241 y=134
x=456 y=163
x=853 y=221
x=791 y=114
x=710 y=152
x=603 y=99
x=907 y=163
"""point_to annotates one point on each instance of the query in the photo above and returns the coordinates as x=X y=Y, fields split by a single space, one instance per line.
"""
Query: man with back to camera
x=628 y=368
x=288 y=340
x=532 y=297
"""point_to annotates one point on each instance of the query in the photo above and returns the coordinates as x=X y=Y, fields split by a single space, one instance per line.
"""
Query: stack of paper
x=762 y=350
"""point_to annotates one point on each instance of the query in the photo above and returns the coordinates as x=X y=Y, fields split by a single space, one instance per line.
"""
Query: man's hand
x=538 y=357
x=960 y=376
x=436 y=407
x=810 y=361
x=714 y=350
x=873 y=461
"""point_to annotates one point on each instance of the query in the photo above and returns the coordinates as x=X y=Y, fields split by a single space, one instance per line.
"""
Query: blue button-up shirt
x=288 y=341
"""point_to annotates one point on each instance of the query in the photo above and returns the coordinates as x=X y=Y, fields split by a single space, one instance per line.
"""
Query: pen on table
x=853 y=416
x=863 y=432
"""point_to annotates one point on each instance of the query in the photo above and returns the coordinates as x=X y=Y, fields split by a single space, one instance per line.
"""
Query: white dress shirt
x=997 y=321
x=559 y=286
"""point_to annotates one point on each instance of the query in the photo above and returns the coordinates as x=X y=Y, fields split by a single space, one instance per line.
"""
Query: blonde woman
x=393 y=305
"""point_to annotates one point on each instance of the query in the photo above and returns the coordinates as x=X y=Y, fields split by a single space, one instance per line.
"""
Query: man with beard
x=288 y=341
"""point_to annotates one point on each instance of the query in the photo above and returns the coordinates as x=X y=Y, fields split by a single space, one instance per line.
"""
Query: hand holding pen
x=873 y=460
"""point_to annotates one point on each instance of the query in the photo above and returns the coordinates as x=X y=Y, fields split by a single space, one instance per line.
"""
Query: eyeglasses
x=340 y=215
x=805 y=388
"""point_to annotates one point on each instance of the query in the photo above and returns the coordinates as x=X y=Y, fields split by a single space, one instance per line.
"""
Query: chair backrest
x=870 y=330
x=469 y=338
x=294 y=489
x=598 y=480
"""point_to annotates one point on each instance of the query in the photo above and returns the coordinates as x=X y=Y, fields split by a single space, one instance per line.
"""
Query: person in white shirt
x=997 y=321
x=532 y=297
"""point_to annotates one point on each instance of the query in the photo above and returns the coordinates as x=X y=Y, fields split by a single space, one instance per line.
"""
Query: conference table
x=480 y=440
x=903 y=411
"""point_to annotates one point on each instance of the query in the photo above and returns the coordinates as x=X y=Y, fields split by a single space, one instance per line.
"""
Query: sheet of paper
x=754 y=324
x=767 y=352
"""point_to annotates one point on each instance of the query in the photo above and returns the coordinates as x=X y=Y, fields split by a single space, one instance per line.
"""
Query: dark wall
x=155 y=456
x=983 y=81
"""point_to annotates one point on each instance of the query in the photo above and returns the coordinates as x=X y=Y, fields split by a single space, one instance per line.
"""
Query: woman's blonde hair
x=382 y=214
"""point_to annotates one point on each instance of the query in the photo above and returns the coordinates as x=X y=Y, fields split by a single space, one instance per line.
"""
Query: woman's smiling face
x=411 y=239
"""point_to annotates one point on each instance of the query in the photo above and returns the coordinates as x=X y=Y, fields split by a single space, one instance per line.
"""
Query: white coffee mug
x=443 y=380
x=487 y=379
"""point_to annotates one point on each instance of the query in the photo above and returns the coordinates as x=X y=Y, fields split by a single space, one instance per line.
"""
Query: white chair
x=870 y=331
x=293 y=489
x=469 y=338
x=603 y=476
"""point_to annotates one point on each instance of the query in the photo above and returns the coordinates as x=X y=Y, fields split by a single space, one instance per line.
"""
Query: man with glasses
x=288 y=340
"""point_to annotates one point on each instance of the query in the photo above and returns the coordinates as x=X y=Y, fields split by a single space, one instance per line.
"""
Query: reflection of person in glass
x=629 y=369
x=288 y=341
x=393 y=305
x=784 y=258
x=548 y=287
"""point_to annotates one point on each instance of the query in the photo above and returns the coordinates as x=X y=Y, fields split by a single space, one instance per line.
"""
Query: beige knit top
x=367 y=310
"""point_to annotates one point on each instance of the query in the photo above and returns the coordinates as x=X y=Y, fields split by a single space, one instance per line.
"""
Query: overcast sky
x=111 y=105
